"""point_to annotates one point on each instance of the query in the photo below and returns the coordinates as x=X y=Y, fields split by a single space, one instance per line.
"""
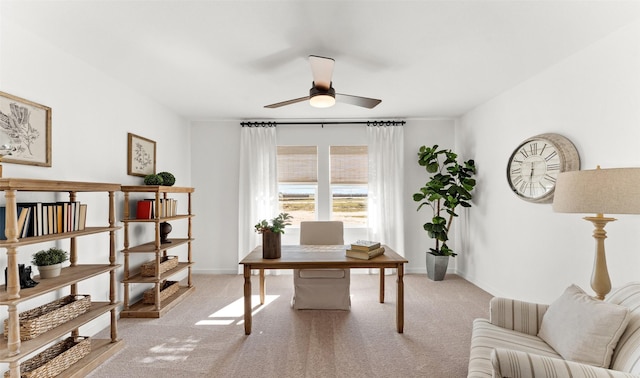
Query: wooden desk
x=321 y=257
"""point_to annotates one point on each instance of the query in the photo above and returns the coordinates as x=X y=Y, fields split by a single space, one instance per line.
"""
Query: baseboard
x=215 y=271
x=482 y=285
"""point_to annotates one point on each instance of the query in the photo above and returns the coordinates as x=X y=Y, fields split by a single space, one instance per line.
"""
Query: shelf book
x=365 y=255
x=39 y=218
x=146 y=208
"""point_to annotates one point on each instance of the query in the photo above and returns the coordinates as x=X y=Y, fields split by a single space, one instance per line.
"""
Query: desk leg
x=247 y=300
x=262 y=287
x=400 y=300
x=381 y=285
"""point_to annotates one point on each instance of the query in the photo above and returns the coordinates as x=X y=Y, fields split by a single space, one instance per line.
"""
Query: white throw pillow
x=583 y=329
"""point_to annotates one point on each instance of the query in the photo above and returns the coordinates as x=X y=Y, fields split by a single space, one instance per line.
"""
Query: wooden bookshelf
x=157 y=249
x=12 y=350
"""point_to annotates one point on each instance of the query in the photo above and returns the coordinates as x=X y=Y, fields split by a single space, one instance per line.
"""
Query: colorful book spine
x=144 y=209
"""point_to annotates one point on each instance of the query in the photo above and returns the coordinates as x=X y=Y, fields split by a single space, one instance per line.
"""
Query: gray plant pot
x=50 y=271
x=436 y=266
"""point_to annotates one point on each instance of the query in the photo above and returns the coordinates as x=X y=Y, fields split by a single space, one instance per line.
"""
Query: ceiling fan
x=322 y=94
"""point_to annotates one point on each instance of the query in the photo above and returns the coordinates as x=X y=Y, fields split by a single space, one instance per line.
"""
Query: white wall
x=91 y=116
x=215 y=164
x=526 y=250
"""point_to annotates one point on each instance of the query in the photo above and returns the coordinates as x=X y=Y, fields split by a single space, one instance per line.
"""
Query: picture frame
x=28 y=125
x=141 y=155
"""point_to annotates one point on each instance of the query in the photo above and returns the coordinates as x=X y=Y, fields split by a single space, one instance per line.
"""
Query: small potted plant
x=49 y=262
x=450 y=185
x=271 y=233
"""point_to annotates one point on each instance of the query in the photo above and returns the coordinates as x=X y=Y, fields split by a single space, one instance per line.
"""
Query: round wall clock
x=535 y=164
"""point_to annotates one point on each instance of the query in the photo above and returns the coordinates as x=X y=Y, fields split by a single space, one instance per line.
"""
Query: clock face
x=533 y=169
x=535 y=164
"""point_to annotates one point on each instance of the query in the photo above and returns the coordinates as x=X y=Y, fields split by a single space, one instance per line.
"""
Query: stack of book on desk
x=365 y=250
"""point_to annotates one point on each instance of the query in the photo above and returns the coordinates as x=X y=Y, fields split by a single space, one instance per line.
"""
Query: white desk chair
x=321 y=289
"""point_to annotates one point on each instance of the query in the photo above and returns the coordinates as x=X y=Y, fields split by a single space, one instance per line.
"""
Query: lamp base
x=600 y=281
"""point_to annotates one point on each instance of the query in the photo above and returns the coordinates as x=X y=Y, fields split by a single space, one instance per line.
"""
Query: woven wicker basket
x=39 y=320
x=167 y=289
x=55 y=359
x=148 y=269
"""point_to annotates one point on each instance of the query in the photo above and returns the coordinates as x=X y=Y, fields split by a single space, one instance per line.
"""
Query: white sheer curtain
x=258 y=184
x=386 y=178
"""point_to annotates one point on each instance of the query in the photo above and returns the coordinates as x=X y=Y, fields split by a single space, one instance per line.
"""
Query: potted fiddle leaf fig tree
x=271 y=234
x=450 y=185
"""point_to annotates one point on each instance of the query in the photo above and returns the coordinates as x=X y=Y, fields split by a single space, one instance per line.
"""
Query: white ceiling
x=210 y=60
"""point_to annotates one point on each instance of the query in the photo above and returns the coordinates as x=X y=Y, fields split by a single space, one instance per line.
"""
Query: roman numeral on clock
x=549 y=178
x=553 y=167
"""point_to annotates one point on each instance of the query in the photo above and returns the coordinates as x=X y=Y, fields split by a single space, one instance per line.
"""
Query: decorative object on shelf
x=449 y=186
x=167 y=263
x=39 y=320
x=24 y=274
x=167 y=289
x=168 y=179
x=165 y=229
x=49 y=262
x=599 y=191
x=271 y=235
x=153 y=179
x=535 y=164
x=28 y=125
x=56 y=359
x=141 y=155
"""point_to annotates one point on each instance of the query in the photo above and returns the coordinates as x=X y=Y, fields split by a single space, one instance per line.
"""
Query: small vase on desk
x=271 y=245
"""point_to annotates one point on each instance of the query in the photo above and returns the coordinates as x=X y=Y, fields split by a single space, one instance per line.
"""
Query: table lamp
x=599 y=191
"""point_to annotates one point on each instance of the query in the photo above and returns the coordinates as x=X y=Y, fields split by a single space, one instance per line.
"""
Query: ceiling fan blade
x=365 y=102
x=322 y=69
x=288 y=102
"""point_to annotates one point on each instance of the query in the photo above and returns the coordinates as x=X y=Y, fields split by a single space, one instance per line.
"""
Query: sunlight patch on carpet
x=173 y=350
x=234 y=312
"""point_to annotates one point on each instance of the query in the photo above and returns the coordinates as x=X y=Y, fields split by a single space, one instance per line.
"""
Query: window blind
x=297 y=164
x=349 y=165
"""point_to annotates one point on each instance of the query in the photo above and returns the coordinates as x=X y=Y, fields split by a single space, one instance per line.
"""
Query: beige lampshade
x=598 y=191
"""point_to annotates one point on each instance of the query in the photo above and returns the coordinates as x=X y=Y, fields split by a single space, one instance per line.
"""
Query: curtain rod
x=368 y=123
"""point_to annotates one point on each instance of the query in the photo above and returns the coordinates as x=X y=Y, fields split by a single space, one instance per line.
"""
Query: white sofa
x=508 y=344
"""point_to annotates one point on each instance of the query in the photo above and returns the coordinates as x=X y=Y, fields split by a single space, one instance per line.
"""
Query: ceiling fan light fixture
x=322 y=98
x=322 y=101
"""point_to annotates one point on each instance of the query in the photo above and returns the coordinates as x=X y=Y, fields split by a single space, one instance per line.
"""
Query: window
x=349 y=177
x=339 y=175
x=298 y=181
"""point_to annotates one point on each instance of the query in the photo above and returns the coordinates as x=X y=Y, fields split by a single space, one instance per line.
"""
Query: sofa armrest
x=512 y=363
x=520 y=316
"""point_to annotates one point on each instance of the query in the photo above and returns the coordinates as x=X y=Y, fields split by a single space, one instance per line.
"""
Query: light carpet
x=204 y=335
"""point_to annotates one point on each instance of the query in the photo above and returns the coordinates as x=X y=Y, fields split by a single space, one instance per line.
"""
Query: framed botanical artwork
x=28 y=127
x=141 y=156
